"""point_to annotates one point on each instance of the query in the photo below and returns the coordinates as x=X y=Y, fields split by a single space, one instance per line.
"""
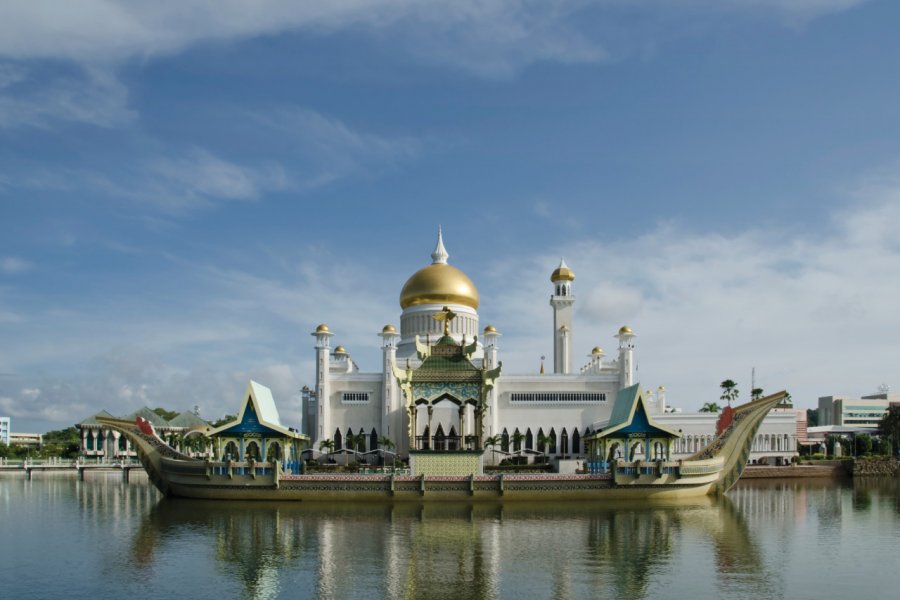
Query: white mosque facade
x=529 y=414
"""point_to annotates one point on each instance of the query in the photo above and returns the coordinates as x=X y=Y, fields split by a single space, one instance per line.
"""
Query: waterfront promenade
x=29 y=467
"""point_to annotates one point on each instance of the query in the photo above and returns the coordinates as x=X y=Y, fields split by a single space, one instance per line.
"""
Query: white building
x=549 y=412
x=855 y=413
x=4 y=430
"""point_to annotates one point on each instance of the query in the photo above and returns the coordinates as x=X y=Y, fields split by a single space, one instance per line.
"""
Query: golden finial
x=446 y=315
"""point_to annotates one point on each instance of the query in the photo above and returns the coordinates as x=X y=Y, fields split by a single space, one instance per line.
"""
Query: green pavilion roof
x=630 y=416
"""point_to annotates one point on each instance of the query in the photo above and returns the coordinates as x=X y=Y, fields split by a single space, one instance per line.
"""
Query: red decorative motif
x=725 y=420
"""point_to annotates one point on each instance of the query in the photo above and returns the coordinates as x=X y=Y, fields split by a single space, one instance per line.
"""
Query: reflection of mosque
x=454 y=550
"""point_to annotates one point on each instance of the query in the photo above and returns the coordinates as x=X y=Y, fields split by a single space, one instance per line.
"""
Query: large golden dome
x=439 y=284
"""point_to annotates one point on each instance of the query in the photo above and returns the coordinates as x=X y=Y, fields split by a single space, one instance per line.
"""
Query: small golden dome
x=597 y=350
x=322 y=328
x=625 y=330
x=389 y=329
x=439 y=283
x=562 y=273
x=340 y=350
x=490 y=329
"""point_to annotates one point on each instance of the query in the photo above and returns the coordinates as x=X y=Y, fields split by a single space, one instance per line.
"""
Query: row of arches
x=253 y=451
x=772 y=443
x=549 y=442
x=364 y=441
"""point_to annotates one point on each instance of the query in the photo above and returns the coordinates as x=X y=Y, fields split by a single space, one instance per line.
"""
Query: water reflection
x=789 y=538
x=480 y=551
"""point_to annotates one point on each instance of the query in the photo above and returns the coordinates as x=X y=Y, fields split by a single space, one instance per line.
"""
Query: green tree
x=223 y=420
x=168 y=415
x=729 y=391
x=756 y=393
x=889 y=428
x=812 y=417
x=492 y=443
x=326 y=446
x=517 y=438
x=711 y=407
x=543 y=441
x=389 y=445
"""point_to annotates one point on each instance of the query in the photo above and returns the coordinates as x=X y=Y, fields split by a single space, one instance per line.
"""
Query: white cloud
x=14 y=264
x=200 y=173
x=93 y=96
x=490 y=38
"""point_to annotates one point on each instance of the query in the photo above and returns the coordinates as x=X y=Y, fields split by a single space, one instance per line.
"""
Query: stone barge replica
x=627 y=458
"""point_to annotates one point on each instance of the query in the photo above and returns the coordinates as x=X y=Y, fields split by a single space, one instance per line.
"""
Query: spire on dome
x=439 y=256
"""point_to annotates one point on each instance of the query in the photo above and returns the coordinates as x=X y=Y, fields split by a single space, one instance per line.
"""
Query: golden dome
x=439 y=283
x=490 y=329
x=597 y=350
x=389 y=329
x=562 y=273
x=322 y=328
x=625 y=330
x=340 y=350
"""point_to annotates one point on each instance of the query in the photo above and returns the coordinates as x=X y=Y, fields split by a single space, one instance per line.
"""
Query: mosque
x=442 y=385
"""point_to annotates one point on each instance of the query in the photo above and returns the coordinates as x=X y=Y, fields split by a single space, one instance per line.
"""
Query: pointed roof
x=188 y=420
x=149 y=415
x=92 y=420
x=630 y=415
x=258 y=413
x=440 y=255
x=562 y=272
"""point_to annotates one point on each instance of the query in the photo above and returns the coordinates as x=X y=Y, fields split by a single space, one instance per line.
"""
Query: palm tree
x=388 y=444
x=729 y=391
x=756 y=393
x=517 y=438
x=543 y=442
x=326 y=446
x=710 y=407
x=492 y=442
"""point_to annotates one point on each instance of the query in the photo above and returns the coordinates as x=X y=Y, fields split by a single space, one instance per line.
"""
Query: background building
x=4 y=430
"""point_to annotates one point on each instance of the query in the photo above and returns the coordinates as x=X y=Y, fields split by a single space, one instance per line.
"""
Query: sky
x=187 y=188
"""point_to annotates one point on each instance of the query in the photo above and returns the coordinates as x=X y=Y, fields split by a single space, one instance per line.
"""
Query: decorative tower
x=626 y=356
x=491 y=335
x=391 y=425
x=323 y=382
x=562 y=302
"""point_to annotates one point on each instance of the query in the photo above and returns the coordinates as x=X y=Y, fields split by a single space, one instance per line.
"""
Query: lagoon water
x=103 y=538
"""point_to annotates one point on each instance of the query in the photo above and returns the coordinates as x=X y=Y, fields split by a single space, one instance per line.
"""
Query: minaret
x=562 y=302
x=491 y=335
x=390 y=391
x=323 y=382
x=626 y=356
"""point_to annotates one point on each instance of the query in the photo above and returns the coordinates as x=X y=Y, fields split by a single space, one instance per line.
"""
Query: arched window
x=274 y=452
x=231 y=452
x=529 y=440
x=373 y=440
x=552 y=437
x=542 y=445
x=89 y=440
x=504 y=441
x=251 y=452
x=576 y=442
x=338 y=440
x=517 y=442
x=564 y=442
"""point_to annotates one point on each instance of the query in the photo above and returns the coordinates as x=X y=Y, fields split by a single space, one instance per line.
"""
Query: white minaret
x=626 y=356
x=323 y=382
x=391 y=426
x=562 y=302
x=491 y=348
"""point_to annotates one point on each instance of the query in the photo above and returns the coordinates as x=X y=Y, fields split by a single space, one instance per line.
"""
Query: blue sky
x=188 y=188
